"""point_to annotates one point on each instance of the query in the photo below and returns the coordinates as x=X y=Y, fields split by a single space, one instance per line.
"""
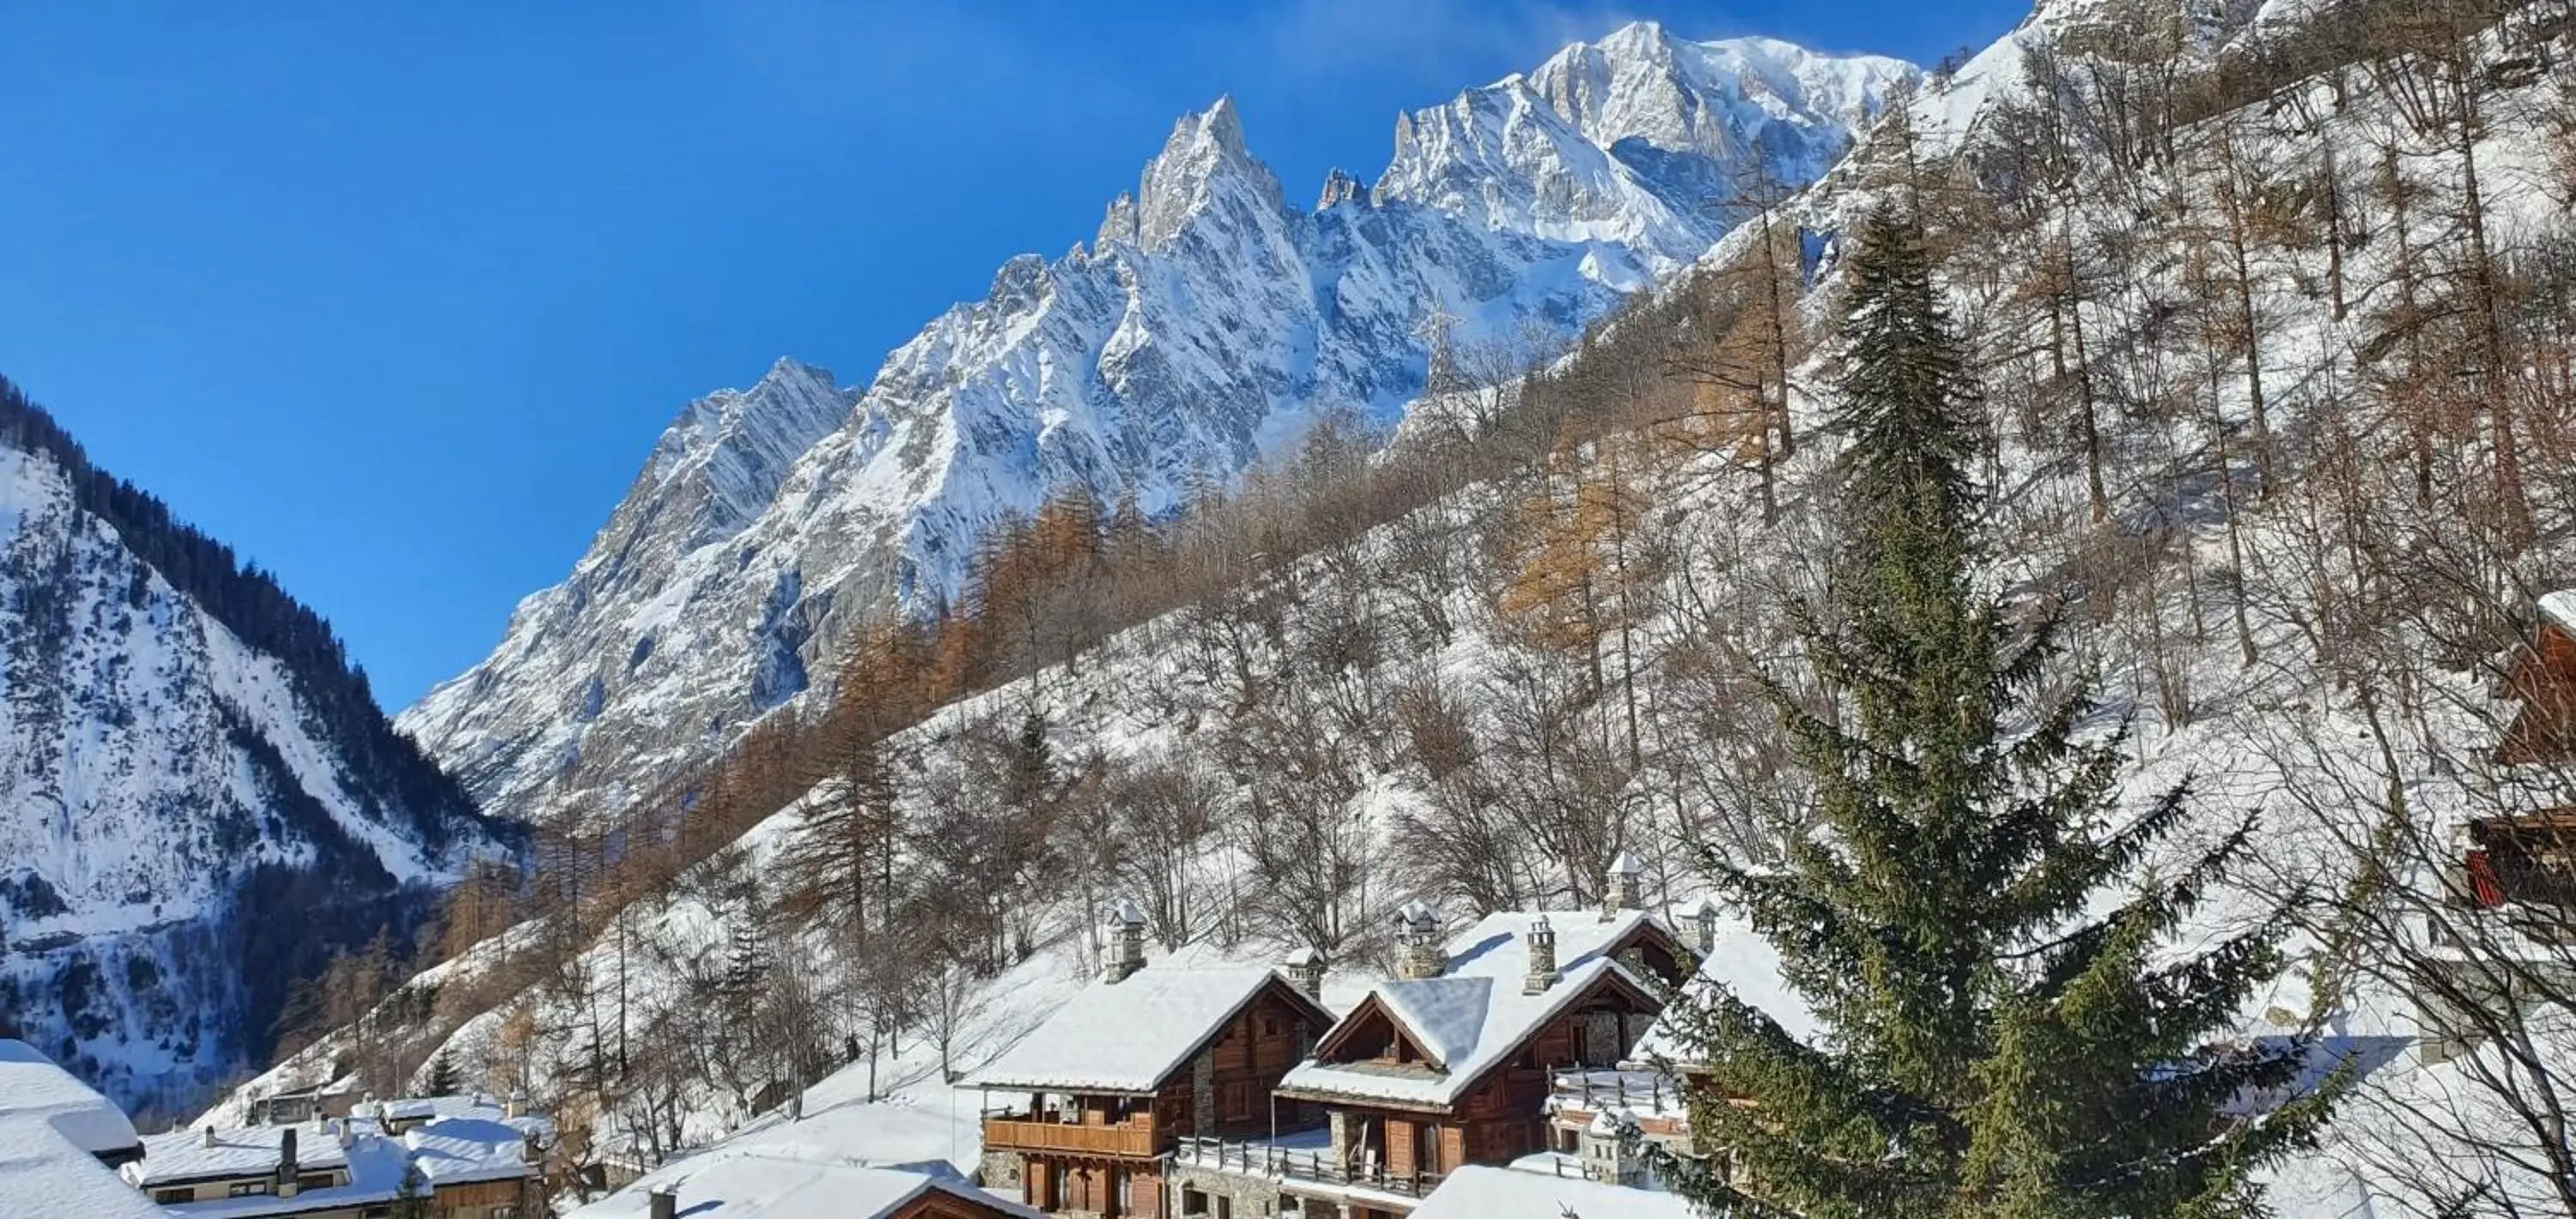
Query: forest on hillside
x=2266 y=393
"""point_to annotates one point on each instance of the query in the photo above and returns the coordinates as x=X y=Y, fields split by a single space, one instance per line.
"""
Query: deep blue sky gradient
x=396 y=297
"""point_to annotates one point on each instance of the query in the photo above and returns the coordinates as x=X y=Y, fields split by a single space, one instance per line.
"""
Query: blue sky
x=395 y=298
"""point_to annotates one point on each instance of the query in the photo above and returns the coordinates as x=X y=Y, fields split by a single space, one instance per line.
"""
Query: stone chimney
x=529 y=1151
x=517 y=1105
x=1620 y=893
x=1306 y=969
x=664 y=1203
x=1542 y=958
x=286 y=1175
x=1418 y=951
x=210 y=1136
x=1126 y=943
x=1701 y=923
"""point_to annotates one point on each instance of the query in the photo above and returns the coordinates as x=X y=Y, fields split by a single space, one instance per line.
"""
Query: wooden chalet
x=2544 y=682
x=1654 y=1086
x=1452 y=1063
x=1112 y=1082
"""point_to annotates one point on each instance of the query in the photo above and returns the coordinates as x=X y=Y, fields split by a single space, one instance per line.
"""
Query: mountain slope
x=198 y=800
x=1208 y=324
x=1416 y=713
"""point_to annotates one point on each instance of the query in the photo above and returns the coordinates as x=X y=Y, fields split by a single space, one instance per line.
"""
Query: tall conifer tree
x=1975 y=924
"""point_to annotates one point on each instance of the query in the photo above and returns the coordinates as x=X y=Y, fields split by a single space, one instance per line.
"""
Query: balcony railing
x=1295 y=1164
x=1132 y=1140
x=1598 y=1090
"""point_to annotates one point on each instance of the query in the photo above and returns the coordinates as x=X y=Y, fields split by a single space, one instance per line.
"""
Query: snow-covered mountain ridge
x=187 y=822
x=1207 y=324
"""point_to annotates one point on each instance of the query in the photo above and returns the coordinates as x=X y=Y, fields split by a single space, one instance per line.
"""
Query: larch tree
x=2006 y=1025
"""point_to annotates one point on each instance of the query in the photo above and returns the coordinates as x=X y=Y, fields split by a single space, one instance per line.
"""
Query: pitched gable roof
x=1476 y=1016
x=1132 y=1035
x=1743 y=963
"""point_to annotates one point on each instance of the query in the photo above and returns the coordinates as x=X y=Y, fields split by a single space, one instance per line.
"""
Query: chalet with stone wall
x=1092 y=1103
x=1449 y=1064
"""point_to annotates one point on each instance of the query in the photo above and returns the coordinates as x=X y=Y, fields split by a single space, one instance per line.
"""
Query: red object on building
x=2483 y=885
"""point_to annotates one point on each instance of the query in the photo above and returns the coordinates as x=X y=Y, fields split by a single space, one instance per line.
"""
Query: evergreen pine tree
x=1995 y=1041
x=414 y=1199
x=443 y=1078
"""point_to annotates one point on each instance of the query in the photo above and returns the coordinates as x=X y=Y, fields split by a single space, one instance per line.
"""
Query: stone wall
x=1249 y=1197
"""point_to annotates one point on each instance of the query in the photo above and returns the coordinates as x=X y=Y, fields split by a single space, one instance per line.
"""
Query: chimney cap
x=1308 y=955
x=1625 y=865
x=1418 y=912
x=1126 y=914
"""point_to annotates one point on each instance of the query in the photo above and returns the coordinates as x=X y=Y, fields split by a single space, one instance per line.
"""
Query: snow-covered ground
x=2277 y=724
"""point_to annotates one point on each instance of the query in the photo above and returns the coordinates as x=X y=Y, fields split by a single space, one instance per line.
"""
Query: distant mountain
x=199 y=798
x=1209 y=323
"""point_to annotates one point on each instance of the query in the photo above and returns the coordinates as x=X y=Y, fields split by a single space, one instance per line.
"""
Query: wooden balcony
x=1135 y=1139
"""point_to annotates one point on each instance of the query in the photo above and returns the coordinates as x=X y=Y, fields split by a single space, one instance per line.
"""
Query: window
x=168 y=1196
x=245 y=1189
x=1238 y=1102
x=502 y=1212
x=313 y=1180
x=1193 y=1201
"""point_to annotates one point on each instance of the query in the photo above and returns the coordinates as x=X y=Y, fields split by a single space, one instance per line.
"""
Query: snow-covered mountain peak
x=1204 y=160
x=1722 y=97
x=1208 y=325
x=1340 y=188
x=735 y=444
x=1638 y=138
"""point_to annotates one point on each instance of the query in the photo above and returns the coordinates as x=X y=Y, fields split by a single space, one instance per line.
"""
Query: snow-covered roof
x=2558 y=609
x=376 y=1168
x=454 y=1150
x=1744 y=962
x=472 y=1142
x=189 y=1155
x=1130 y=1036
x=1480 y=1192
x=424 y=1108
x=52 y=1128
x=1474 y=1016
x=739 y=1185
x=32 y=1086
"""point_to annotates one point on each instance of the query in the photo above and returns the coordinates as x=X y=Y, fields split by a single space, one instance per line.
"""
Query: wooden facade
x=2544 y=682
x=1500 y=1116
x=1101 y=1153
x=2525 y=859
x=1405 y=1148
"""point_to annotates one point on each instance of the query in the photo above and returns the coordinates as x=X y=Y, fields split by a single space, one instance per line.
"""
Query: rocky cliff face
x=1209 y=323
x=188 y=820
